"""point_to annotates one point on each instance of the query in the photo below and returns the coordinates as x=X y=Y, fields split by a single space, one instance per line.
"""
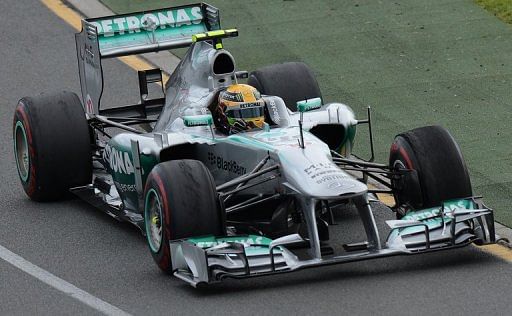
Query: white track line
x=59 y=284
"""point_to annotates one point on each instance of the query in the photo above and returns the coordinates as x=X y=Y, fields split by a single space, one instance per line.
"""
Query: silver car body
x=285 y=158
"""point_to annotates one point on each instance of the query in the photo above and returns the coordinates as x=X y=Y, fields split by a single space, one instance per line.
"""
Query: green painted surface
x=255 y=245
x=426 y=216
x=133 y=30
x=415 y=62
x=147 y=220
x=308 y=105
x=118 y=157
x=198 y=120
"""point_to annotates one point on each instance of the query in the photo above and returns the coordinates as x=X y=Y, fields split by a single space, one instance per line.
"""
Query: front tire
x=180 y=201
x=51 y=145
x=440 y=170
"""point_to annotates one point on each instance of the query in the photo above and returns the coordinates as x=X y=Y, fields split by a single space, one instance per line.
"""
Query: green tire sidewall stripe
x=147 y=220
x=19 y=124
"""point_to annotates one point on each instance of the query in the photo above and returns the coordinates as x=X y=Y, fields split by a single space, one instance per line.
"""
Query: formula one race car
x=216 y=205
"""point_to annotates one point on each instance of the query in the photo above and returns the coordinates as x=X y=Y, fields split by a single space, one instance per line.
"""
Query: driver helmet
x=243 y=108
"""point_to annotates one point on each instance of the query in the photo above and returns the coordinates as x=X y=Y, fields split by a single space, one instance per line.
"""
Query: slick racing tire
x=440 y=173
x=180 y=201
x=52 y=146
x=292 y=81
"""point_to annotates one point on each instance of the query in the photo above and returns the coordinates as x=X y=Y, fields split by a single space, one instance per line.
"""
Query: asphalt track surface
x=111 y=261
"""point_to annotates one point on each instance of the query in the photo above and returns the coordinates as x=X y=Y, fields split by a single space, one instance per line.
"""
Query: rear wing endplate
x=135 y=33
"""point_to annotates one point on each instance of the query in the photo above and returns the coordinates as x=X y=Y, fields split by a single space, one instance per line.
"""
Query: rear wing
x=135 y=33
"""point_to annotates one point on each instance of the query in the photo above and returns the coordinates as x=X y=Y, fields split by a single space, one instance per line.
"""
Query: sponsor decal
x=119 y=161
x=313 y=170
x=325 y=172
x=149 y=21
x=192 y=123
x=88 y=55
x=334 y=178
x=89 y=106
x=423 y=215
x=279 y=140
x=250 y=105
x=254 y=245
x=431 y=212
x=275 y=112
x=123 y=187
x=282 y=138
x=245 y=241
x=230 y=166
x=198 y=120
x=231 y=96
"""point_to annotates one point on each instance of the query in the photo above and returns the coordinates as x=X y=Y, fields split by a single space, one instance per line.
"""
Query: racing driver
x=238 y=108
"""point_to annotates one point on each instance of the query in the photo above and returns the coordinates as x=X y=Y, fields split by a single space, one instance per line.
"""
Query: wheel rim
x=21 y=151
x=153 y=220
x=399 y=165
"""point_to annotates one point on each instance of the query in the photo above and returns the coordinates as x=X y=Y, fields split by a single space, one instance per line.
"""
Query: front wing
x=210 y=259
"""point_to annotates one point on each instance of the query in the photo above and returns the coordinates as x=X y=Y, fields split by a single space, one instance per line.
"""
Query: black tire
x=440 y=168
x=52 y=145
x=185 y=199
x=292 y=81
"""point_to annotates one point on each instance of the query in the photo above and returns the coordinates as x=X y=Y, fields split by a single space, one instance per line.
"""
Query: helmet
x=243 y=108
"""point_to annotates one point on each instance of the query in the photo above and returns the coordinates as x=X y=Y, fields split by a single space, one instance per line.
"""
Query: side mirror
x=198 y=120
x=309 y=105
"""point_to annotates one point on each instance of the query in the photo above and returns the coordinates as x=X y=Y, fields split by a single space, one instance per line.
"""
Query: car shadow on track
x=456 y=261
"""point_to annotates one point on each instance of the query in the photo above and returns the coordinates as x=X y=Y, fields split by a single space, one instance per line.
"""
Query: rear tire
x=180 y=201
x=292 y=81
x=441 y=170
x=51 y=145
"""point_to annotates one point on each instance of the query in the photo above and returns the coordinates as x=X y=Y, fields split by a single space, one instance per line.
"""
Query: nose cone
x=312 y=173
x=337 y=185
